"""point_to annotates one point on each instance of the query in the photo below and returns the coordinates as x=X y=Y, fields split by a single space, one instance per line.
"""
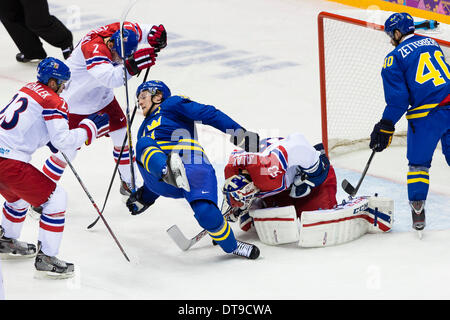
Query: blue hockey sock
x=211 y=219
x=418 y=183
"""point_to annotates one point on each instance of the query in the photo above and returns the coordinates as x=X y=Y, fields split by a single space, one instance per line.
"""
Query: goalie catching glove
x=306 y=179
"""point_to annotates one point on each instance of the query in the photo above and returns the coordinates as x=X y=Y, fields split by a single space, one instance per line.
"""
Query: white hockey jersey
x=93 y=73
x=273 y=169
x=35 y=116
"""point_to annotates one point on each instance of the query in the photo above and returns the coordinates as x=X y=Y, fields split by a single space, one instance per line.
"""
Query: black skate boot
x=12 y=248
x=418 y=215
x=67 y=52
x=52 y=267
x=247 y=250
x=20 y=57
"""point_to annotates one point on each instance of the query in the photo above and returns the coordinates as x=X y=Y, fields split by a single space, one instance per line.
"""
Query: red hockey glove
x=141 y=59
x=95 y=125
x=157 y=37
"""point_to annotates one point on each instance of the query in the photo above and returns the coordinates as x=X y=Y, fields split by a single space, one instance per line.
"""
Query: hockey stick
x=114 y=173
x=118 y=159
x=95 y=205
x=128 y=133
x=348 y=187
x=125 y=77
x=184 y=243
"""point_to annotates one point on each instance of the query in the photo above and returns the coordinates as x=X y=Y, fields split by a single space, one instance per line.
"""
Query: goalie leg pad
x=339 y=225
x=380 y=214
x=276 y=226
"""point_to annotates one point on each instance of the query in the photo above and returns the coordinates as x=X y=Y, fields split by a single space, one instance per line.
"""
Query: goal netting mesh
x=352 y=55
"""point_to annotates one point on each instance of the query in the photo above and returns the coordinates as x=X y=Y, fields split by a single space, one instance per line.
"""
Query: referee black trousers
x=28 y=20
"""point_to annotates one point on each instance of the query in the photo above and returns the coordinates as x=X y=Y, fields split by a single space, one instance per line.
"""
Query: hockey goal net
x=351 y=55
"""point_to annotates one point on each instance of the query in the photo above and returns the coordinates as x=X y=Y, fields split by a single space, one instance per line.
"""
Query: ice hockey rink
x=257 y=61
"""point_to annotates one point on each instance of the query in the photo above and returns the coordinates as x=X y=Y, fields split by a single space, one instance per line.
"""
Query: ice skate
x=35 y=212
x=418 y=216
x=52 y=267
x=247 y=250
x=175 y=173
x=14 y=249
x=125 y=188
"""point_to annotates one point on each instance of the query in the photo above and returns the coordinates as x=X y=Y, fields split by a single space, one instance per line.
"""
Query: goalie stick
x=184 y=243
x=348 y=187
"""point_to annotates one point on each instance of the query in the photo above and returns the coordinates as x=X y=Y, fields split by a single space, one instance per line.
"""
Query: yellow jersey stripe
x=417 y=115
x=146 y=152
x=149 y=156
x=425 y=106
x=177 y=147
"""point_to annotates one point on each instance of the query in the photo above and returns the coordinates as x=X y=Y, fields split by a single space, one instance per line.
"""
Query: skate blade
x=12 y=256
x=53 y=275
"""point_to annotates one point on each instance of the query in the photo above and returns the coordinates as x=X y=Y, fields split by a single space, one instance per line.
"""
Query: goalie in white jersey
x=34 y=117
x=96 y=65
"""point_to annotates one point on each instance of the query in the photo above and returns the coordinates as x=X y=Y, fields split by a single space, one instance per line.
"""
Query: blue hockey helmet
x=153 y=86
x=130 y=42
x=52 y=68
x=402 y=22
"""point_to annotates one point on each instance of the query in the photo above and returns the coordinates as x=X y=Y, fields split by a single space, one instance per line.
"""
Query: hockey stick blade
x=182 y=242
x=348 y=188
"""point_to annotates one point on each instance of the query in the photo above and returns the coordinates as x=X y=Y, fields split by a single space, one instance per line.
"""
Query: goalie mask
x=239 y=191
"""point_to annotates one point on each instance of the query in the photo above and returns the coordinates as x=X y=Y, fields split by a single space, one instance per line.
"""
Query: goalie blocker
x=346 y=222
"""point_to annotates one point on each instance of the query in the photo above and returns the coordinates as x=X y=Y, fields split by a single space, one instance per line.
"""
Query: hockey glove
x=247 y=140
x=301 y=187
x=141 y=59
x=96 y=125
x=381 y=136
x=136 y=203
x=157 y=37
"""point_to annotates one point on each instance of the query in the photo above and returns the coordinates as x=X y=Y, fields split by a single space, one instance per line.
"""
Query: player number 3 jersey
x=34 y=116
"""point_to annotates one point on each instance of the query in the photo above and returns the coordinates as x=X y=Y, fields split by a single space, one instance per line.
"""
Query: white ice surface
x=257 y=61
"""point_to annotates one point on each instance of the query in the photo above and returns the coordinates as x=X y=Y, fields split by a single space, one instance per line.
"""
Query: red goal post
x=351 y=55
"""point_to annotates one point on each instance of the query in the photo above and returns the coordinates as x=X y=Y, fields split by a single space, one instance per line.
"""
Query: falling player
x=286 y=172
x=34 y=117
x=96 y=66
x=167 y=132
x=415 y=74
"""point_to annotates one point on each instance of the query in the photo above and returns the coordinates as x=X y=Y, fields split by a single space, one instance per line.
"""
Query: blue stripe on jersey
x=97 y=59
x=52 y=112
